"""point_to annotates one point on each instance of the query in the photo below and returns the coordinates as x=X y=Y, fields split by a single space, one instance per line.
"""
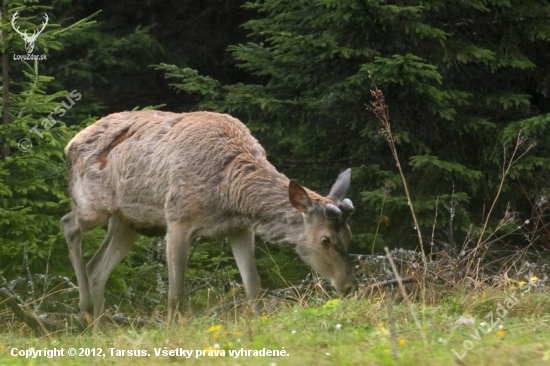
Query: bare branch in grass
x=35 y=323
x=521 y=141
x=405 y=296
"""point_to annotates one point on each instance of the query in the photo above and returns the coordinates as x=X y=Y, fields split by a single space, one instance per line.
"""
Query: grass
x=367 y=331
x=465 y=321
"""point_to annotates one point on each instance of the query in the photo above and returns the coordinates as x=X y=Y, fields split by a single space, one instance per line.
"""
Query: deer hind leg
x=75 y=228
x=178 y=240
x=119 y=241
x=242 y=245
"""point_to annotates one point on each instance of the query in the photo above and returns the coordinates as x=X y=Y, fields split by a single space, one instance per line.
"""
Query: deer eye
x=325 y=240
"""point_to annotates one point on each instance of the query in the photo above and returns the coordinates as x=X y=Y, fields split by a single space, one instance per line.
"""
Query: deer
x=29 y=40
x=190 y=175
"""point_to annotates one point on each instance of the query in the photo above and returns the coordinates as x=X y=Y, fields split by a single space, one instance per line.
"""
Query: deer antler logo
x=29 y=40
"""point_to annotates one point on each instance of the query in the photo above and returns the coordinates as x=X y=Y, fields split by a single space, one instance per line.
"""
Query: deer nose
x=350 y=287
x=347 y=288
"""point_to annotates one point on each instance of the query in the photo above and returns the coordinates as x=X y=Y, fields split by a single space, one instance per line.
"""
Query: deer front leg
x=73 y=235
x=242 y=245
x=178 y=240
x=120 y=240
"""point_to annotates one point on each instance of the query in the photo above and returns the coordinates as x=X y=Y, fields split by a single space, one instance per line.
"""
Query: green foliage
x=101 y=61
x=279 y=266
x=49 y=102
x=460 y=79
x=33 y=188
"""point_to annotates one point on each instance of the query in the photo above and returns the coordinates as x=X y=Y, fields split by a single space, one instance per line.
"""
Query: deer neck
x=277 y=221
x=263 y=200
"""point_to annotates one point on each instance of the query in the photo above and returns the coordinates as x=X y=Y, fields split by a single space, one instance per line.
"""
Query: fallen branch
x=388 y=283
x=121 y=319
x=118 y=319
x=36 y=323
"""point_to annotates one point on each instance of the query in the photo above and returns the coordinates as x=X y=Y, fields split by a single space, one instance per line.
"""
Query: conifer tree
x=461 y=79
x=46 y=100
x=32 y=184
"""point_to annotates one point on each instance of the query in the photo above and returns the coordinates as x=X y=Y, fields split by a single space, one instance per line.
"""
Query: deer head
x=29 y=40
x=327 y=232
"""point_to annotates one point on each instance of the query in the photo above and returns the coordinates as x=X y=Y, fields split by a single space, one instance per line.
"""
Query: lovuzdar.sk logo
x=29 y=40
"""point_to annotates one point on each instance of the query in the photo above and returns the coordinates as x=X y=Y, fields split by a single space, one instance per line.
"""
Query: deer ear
x=298 y=197
x=340 y=187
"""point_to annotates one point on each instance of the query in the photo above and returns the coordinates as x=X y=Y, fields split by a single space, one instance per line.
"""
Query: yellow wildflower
x=534 y=278
x=521 y=283
x=238 y=334
x=474 y=297
x=501 y=333
x=484 y=293
x=264 y=318
x=215 y=328
x=401 y=342
x=512 y=287
x=382 y=329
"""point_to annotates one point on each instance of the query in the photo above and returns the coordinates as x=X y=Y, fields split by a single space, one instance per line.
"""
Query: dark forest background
x=466 y=83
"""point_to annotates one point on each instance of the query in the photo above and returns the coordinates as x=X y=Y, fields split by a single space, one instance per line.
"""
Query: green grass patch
x=347 y=332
